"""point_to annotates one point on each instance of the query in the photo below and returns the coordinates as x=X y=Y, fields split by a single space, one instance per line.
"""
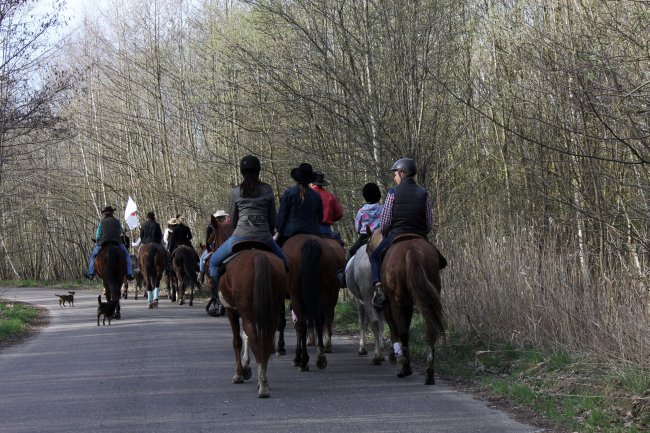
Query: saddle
x=240 y=247
x=410 y=236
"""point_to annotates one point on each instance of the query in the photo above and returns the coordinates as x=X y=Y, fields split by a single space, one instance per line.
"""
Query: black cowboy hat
x=371 y=193
x=303 y=174
x=108 y=209
x=320 y=179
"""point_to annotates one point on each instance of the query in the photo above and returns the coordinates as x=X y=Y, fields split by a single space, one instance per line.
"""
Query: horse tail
x=263 y=304
x=151 y=267
x=115 y=270
x=190 y=270
x=311 y=252
x=425 y=292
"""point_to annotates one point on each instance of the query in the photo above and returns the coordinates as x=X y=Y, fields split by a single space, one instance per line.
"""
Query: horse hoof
x=363 y=352
x=280 y=352
x=150 y=306
x=321 y=363
x=376 y=361
x=181 y=302
x=117 y=316
x=263 y=394
x=248 y=373
x=328 y=349
x=304 y=368
x=237 y=379
x=392 y=358
x=430 y=380
x=191 y=303
x=155 y=303
x=404 y=372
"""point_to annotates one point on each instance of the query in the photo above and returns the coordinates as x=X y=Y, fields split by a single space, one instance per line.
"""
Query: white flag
x=131 y=214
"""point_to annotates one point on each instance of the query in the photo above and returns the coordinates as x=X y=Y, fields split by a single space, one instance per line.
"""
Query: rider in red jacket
x=332 y=209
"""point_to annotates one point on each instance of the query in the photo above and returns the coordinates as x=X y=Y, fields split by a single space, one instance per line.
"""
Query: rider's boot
x=340 y=275
x=379 y=299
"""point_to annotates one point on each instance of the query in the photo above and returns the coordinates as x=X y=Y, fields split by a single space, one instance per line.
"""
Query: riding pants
x=375 y=258
x=225 y=250
x=91 y=265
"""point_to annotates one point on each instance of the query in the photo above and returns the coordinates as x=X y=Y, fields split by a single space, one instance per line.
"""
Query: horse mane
x=222 y=231
x=374 y=240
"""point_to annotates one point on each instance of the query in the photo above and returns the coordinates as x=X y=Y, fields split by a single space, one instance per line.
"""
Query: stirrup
x=379 y=299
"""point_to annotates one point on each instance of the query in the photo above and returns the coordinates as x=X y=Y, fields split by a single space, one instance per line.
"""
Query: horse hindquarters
x=425 y=289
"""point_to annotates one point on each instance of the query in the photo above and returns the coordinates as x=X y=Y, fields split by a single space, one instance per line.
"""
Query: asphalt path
x=170 y=370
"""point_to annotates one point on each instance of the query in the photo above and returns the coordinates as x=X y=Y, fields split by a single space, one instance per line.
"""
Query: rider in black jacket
x=150 y=232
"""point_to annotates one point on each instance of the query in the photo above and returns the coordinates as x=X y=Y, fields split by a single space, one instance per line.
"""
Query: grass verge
x=578 y=392
x=14 y=318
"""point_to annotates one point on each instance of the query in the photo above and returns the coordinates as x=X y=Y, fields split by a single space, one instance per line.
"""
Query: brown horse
x=222 y=231
x=335 y=249
x=252 y=289
x=184 y=265
x=153 y=261
x=110 y=266
x=410 y=272
x=313 y=289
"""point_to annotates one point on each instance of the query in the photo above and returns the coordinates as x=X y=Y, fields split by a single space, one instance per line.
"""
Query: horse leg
x=361 y=313
x=311 y=336
x=233 y=317
x=377 y=325
x=280 y=349
x=403 y=322
x=246 y=357
x=263 y=390
x=192 y=294
x=392 y=327
x=321 y=360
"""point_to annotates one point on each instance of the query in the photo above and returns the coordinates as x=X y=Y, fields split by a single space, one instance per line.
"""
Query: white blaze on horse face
x=397 y=348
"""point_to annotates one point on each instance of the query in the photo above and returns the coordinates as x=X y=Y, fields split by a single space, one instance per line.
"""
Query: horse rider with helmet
x=332 y=209
x=222 y=218
x=301 y=208
x=109 y=231
x=252 y=213
x=407 y=209
x=150 y=232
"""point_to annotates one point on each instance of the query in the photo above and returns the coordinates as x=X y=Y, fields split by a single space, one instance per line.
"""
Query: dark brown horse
x=153 y=261
x=252 y=289
x=184 y=265
x=410 y=273
x=334 y=249
x=110 y=266
x=313 y=289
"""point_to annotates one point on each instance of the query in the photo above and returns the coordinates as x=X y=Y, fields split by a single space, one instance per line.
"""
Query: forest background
x=529 y=121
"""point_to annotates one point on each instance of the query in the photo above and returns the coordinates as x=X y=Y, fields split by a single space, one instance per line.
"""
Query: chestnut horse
x=184 y=265
x=313 y=289
x=410 y=273
x=252 y=289
x=222 y=231
x=110 y=266
x=153 y=261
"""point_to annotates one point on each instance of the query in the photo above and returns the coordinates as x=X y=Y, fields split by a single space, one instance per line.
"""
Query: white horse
x=357 y=275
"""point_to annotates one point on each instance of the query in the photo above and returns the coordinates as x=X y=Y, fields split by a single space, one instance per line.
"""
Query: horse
x=184 y=265
x=110 y=266
x=410 y=273
x=312 y=288
x=153 y=261
x=336 y=250
x=222 y=231
x=357 y=275
x=252 y=289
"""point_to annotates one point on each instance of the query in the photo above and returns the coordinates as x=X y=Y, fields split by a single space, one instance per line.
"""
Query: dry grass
x=511 y=289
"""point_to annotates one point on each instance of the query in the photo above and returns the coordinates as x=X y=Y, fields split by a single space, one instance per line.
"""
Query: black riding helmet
x=250 y=163
x=407 y=165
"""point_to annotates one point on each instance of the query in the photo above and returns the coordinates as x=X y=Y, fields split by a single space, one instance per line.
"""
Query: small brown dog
x=105 y=308
x=69 y=298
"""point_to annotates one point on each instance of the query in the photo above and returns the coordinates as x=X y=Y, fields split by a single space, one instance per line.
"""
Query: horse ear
x=213 y=221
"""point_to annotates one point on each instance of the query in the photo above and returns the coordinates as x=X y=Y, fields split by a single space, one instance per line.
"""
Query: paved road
x=169 y=370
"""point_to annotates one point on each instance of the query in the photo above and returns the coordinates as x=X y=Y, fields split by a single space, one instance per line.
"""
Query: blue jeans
x=326 y=231
x=225 y=250
x=91 y=266
x=204 y=254
x=375 y=258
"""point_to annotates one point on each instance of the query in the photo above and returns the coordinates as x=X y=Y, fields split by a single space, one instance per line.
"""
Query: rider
x=332 y=210
x=407 y=209
x=221 y=217
x=301 y=208
x=108 y=231
x=180 y=235
x=252 y=213
x=150 y=232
